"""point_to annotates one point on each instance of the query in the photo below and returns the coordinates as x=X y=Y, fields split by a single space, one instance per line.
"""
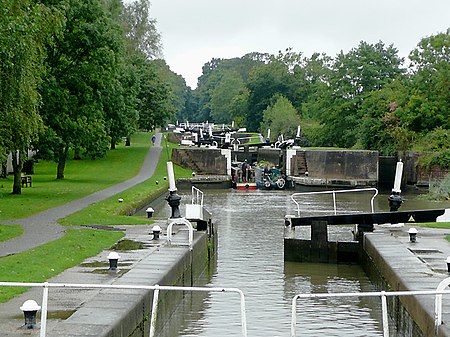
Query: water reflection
x=250 y=257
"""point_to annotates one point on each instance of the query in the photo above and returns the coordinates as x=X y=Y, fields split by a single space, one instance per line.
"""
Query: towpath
x=43 y=227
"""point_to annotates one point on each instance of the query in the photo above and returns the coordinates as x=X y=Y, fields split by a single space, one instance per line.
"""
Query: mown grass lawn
x=41 y=263
x=110 y=212
x=83 y=177
x=8 y=232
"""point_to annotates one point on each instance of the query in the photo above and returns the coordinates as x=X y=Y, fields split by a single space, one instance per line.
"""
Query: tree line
x=367 y=98
x=76 y=77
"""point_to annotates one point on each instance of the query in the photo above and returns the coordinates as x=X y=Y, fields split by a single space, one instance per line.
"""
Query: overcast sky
x=195 y=31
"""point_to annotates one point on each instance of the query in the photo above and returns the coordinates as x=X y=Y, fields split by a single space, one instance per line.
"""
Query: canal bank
x=119 y=312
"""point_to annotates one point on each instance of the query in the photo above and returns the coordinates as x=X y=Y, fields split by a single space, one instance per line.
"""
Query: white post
x=385 y=315
x=268 y=133
x=294 y=316
x=227 y=137
x=298 y=132
x=232 y=124
x=44 y=309
x=171 y=175
x=398 y=177
x=154 y=310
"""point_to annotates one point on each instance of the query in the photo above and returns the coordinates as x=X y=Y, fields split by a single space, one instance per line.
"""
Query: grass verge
x=110 y=212
x=41 y=263
x=8 y=232
x=83 y=177
x=46 y=261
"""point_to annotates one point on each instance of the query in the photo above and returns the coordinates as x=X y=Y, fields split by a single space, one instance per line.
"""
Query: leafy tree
x=281 y=117
x=154 y=104
x=140 y=30
x=265 y=81
x=119 y=93
x=429 y=86
x=190 y=107
x=238 y=107
x=212 y=74
x=25 y=27
x=230 y=85
x=206 y=84
x=380 y=126
x=120 y=104
x=79 y=65
x=176 y=85
x=355 y=75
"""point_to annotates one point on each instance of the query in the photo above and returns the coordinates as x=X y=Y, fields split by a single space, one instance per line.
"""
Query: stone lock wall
x=342 y=164
x=201 y=160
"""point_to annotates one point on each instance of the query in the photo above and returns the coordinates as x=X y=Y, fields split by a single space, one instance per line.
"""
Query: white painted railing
x=197 y=196
x=156 y=288
x=180 y=221
x=373 y=189
x=383 y=295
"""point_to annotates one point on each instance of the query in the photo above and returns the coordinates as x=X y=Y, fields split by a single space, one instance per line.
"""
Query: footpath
x=43 y=227
x=104 y=312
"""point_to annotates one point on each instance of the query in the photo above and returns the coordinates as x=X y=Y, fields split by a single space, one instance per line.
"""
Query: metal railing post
x=243 y=314
x=384 y=312
x=294 y=316
x=438 y=303
x=156 y=288
x=154 y=310
x=334 y=203
x=44 y=309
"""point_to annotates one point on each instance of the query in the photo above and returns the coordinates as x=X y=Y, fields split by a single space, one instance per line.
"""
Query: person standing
x=244 y=168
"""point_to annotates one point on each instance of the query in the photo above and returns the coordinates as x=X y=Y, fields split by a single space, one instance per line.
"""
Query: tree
x=140 y=30
x=381 y=129
x=355 y=75
x=119 y=93
x=177 y=94
x=154 y=100
x=265 y=81
x=25 y=27
x=429 y=85
x=281 y=117
x=79 y=65
x=212 y=74
x=230 y=85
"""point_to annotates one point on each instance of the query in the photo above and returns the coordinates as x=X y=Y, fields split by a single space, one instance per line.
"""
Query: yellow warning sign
x=411 y=219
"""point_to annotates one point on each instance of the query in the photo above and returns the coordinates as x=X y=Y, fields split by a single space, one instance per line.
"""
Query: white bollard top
x=412 y=231
x=448 y=259
x=113 y=256
x=30 y=305
x=149 y=210
x=156 y=228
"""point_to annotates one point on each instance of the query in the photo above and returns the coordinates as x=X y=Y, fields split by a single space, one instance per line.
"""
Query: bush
x=440 y=190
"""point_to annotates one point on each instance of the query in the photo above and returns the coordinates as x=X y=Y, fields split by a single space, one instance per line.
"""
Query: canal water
x=250 y=257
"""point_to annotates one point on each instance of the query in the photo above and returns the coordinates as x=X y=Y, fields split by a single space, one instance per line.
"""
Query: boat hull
x=246 y=186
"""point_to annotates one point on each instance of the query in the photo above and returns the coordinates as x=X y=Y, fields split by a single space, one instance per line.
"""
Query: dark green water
x=250 y=257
